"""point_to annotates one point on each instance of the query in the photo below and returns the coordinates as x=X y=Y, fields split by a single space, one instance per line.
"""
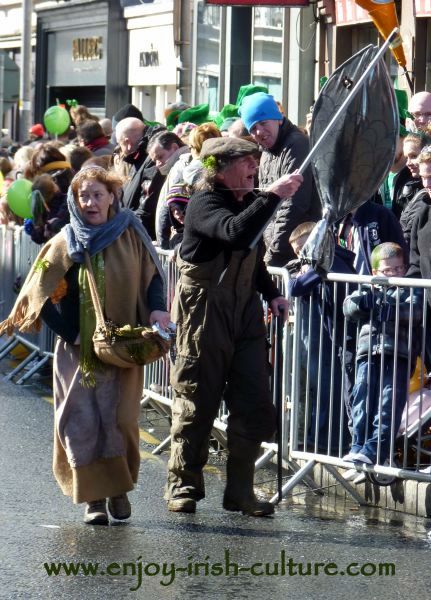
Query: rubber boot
x=239 y=493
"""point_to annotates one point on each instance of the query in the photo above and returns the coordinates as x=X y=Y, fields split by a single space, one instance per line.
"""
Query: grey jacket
x=287 y=154
x=354 y=310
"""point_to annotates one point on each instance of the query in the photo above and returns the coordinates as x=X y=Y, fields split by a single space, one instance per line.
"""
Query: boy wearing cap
x=177 y=200
x=284 y=149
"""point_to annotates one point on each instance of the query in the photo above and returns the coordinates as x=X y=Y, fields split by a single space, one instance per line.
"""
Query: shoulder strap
x=100 y=320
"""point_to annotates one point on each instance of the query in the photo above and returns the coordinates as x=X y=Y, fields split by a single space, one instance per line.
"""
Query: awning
x=423 y=8
x=349 y=13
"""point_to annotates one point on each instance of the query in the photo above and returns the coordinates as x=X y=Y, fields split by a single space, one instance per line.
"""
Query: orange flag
x=384 y=16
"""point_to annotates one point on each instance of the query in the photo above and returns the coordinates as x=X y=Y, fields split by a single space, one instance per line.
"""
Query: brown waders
x=221 y=354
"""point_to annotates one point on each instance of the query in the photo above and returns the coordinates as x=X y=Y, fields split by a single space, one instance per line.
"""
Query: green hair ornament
x=210 y=163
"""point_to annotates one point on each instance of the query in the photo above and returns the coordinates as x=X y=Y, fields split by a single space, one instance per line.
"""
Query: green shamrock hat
x=247 y=90
x=403 y=102
x=195 y=114
x=229 y=111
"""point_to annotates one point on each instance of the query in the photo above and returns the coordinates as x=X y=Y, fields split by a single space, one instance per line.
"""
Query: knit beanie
x=184 y=128
x=259 y=107
x=177 y=193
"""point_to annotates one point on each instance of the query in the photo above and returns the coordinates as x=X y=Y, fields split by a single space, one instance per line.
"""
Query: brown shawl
x=129 y=270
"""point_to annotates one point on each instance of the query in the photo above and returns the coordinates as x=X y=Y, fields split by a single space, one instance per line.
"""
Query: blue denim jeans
x=310 y=343
x=367 y=441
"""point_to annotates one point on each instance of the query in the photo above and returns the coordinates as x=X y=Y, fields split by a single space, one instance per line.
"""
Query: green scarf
x=88 y=361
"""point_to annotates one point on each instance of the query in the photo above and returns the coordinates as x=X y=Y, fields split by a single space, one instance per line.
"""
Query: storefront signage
x=149 y=59
x=349 y=13
x=152 y=59
x=290 y=3
x=87 y=48
x=423 y=8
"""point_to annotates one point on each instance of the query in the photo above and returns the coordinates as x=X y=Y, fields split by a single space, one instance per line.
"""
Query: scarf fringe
x=23 y=321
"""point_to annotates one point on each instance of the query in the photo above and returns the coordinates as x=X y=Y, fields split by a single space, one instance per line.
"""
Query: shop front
x=266 y=45
x=82 y=55
x=354 y=31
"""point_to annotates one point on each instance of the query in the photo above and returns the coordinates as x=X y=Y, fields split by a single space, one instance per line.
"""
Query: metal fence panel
x=331 y=376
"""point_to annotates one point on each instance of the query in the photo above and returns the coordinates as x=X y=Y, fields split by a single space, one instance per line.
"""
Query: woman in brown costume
x=96 y=438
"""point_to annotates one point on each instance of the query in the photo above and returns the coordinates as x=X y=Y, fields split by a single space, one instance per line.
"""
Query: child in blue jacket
x=318 y=303
x=376 y=308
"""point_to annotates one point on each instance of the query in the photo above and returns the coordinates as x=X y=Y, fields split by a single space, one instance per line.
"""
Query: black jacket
x=144 y=203
x=217 y=222
x=420 y=244
x=355 y=311
x=404 y=190
x=375 y=225
x=287 y=154
x=420 y=200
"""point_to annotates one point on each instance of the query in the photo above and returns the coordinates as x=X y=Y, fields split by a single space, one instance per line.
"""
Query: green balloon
x=56 y=120
x=19 y=198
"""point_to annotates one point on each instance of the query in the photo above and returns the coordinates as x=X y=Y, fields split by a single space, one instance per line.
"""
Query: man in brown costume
x=221 y=338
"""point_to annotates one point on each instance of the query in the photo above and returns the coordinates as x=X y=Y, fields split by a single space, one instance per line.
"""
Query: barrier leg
x=21 y=365
x=33 y=370
x=346 y=485
x=165 y=444
x=6 y=348
x=293 y=481
x=307 y=479
x=265 y=458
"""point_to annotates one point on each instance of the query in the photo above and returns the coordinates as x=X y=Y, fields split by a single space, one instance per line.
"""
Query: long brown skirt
x=96 y=431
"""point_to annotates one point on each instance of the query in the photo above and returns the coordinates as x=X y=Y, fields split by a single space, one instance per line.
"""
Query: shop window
x=208 y=15
x=208 y=55
x=268 y=48
x=207 y=90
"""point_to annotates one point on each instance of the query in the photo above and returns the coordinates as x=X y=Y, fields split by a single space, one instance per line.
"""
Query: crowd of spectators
x=158 y=170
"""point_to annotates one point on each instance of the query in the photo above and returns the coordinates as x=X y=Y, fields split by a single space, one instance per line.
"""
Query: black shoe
x=119 y=507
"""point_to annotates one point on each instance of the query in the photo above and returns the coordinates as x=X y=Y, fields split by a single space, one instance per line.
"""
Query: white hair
x=127 y=125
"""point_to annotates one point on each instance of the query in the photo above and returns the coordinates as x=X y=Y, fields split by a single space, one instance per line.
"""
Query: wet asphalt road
x=38 y=525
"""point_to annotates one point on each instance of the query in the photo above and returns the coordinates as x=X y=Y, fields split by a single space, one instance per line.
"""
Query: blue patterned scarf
x=94 y=238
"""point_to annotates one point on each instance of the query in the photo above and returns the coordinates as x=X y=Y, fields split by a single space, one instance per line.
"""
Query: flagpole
x=409 y=80
x=331 y=123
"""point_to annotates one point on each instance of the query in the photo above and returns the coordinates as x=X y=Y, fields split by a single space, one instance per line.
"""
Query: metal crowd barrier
x=324 y=371
x=18 y=253
x=319 y=370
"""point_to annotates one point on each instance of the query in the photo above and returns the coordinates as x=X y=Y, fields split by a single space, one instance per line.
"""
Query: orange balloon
x=384 y=16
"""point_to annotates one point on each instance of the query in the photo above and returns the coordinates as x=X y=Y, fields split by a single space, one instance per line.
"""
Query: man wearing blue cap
x=284 y=149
